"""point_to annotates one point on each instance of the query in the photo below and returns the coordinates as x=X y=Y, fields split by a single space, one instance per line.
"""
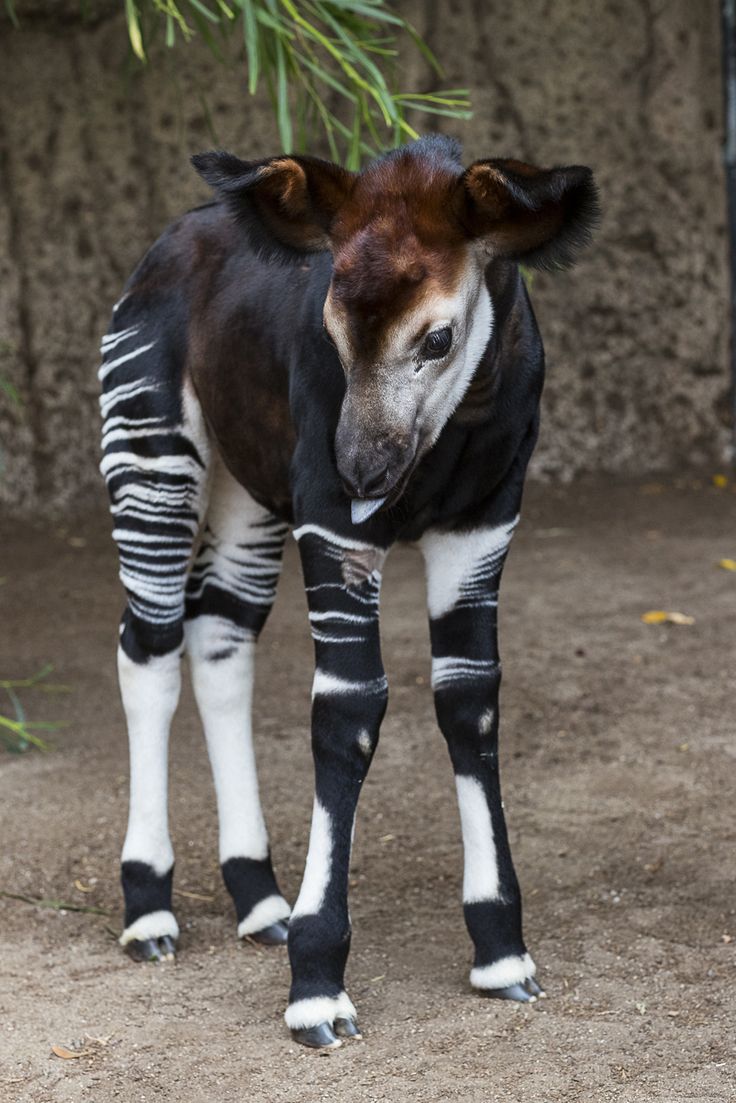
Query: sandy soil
x=619 y=766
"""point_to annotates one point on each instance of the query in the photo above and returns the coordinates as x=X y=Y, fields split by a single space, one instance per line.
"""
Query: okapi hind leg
x=231 y=588
x=155 y=455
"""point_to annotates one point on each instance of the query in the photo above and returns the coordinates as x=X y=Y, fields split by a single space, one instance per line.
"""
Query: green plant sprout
x=18 y=733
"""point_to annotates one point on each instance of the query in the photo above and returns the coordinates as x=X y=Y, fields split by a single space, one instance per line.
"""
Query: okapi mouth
x=361 y=509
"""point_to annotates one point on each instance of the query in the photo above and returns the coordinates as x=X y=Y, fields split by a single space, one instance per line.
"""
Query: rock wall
x=93 y=163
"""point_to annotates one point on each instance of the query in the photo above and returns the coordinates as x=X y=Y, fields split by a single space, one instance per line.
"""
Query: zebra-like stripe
x=250 y=571
x=154 y=470
x=448 y=669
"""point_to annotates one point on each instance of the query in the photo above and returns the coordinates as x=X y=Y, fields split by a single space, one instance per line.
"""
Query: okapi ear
x=287 y=204
x=539 y=217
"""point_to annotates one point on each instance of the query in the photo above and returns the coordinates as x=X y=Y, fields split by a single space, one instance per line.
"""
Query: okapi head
x=407 y=308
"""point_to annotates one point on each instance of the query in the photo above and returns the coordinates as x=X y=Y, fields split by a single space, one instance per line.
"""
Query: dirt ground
x=618 y=756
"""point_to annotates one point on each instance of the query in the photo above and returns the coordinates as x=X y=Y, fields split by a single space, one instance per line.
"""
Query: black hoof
x=317 y=1037
x=527 y=992
x=275 y=935
x=347 y=1028
x=152 y=949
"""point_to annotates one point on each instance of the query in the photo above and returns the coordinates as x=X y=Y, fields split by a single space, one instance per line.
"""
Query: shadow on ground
x=618 y=757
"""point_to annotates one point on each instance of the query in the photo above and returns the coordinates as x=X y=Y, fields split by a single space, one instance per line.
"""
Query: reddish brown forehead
x=395 y=237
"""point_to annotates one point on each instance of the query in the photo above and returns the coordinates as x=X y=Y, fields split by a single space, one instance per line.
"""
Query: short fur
x=267 y=362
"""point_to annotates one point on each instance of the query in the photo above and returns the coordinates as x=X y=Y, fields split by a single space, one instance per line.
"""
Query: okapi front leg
x=463 y=575
x=348 y=702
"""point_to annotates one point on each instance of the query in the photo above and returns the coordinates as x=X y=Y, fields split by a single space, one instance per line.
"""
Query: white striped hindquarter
x=164 y=481
x=155 y=458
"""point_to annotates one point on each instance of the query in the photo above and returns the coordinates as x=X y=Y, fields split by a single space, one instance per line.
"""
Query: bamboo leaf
x=252 y=45
x=205 y=11
x=303 y=51
x=134 y=29
x=282 y=99
x=423 y=48
x=12 y=16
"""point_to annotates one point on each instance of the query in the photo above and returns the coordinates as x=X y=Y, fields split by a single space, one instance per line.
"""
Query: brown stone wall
x=93 y=162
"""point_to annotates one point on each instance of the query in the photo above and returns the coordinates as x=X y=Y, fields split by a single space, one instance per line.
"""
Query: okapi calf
x=353 y=355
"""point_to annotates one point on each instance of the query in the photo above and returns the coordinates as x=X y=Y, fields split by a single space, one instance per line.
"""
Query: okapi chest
x=353 y=355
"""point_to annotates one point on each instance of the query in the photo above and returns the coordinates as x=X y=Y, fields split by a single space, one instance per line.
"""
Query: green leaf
x=306 y=52
x=423 y=48
x=205 y=11
x=252 y=44
x=12 y=16
x=134 y=29
x=283 y=114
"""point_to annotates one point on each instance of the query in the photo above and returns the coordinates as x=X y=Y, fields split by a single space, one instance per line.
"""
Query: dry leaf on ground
x=727 y=564
x=660 y=616
x=70 y=1054
x=87 y=1047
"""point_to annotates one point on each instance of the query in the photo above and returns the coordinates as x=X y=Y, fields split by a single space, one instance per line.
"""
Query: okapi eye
x=437 y=343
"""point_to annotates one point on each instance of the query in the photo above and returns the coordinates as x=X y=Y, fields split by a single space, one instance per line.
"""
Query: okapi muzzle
x=376 y=440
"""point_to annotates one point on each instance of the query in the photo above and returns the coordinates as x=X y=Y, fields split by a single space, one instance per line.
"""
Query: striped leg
x=349 y=696
x=155 y=453
x=230 y=592
x=463 y=575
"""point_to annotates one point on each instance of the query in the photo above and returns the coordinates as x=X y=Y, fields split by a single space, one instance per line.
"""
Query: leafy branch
x=327 y=65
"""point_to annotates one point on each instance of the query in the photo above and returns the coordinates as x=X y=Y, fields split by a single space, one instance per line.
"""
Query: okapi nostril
x=375 y=482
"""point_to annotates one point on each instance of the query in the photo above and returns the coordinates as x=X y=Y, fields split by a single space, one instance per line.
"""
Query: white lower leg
x=150 y=693
x=514 y=969
x=319 y=1009
x=318 y=865
x=481 y=877
x=223 y=687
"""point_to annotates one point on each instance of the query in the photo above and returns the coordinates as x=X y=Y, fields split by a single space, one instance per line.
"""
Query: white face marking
x=481 y=879
x=459 y=564
x=319 y=864
x=436 y=387
x=408 y=393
